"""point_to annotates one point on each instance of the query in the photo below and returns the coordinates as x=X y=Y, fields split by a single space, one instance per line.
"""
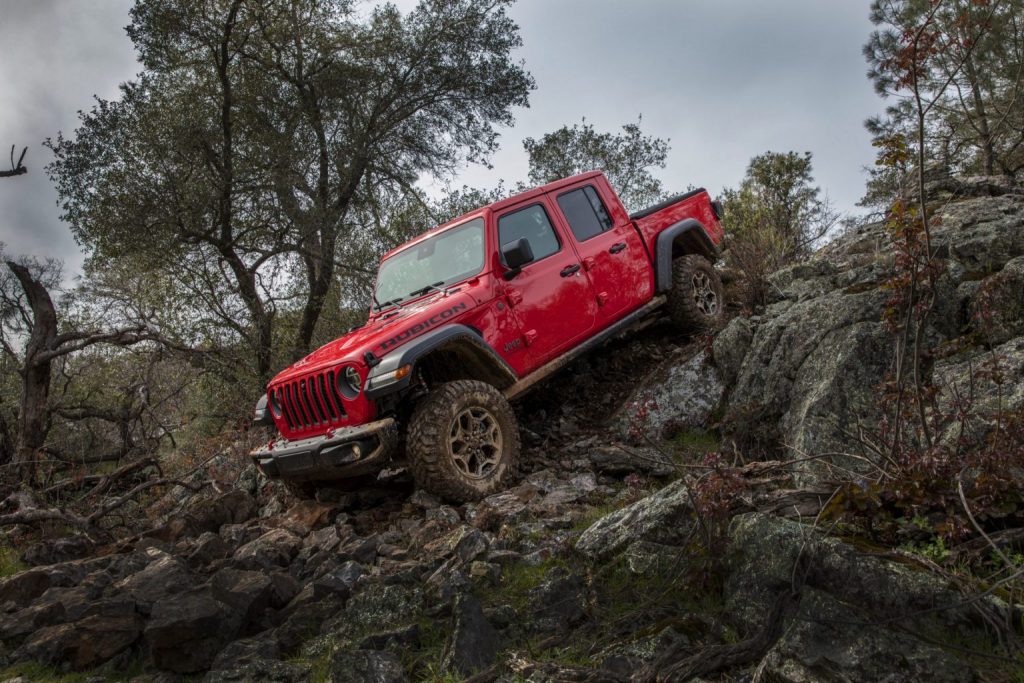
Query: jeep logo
x=423 y=325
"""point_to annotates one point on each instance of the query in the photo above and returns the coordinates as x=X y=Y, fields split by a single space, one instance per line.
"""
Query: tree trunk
x=988 y=153
x=33 y=413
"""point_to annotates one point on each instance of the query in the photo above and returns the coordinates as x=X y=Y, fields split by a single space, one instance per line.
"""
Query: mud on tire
x=696 y=301
x=463 y=441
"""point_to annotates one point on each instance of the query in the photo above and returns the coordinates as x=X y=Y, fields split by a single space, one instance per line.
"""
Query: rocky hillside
x=672 y=524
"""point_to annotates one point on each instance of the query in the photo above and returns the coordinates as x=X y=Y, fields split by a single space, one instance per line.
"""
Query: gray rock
x=621 y=459
x=255 y=659
x=185 y=633
x=968 y=375
x=646 y=558
x=379 y=607
x=249 y=593
x=730 y=347
x=806 y=369
x=83 y=644
x=26 y=586
x=365 y=666
x=269 y=670
x=163 y=576
x=679 y=394
x=997 y=307
x=272 y=550
x=474 y=643
x=32 y=618
x=982 y=234
x=664 y=516
x=767 y=552
x=57 y=550
x=560 y=602
x=830 y=641
x=208 y=548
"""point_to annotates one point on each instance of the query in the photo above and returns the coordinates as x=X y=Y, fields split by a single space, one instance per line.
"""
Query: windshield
x=446 y=258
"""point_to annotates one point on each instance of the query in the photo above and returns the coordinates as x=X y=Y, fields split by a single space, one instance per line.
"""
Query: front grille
x=309 y=401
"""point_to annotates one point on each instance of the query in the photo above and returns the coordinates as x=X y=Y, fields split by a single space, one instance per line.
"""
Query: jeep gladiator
x=472 y=314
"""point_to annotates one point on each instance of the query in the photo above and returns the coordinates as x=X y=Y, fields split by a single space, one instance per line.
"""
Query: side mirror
x=516 y=255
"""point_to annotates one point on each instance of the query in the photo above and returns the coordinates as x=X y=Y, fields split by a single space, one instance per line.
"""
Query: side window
x=585 y=213
x=533 y=224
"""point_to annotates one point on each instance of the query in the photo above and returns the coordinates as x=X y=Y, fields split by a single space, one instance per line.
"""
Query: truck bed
x=696 y=204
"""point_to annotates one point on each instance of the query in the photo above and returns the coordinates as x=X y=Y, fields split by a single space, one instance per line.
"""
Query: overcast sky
x=723 y=79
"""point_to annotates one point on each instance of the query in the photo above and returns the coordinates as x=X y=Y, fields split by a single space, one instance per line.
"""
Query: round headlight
x=351 y=383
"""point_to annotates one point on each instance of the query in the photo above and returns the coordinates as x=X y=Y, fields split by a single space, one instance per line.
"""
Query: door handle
x=570 y=270
x=616 y=248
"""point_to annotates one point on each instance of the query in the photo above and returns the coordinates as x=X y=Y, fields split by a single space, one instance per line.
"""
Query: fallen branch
x=16 y=168
x=102 y=482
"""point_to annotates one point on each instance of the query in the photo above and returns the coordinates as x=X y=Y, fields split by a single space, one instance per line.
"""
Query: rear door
x=551 y=297
x=611 y=251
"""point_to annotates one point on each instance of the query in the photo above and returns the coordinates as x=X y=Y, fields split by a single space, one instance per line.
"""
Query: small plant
x=10 y=562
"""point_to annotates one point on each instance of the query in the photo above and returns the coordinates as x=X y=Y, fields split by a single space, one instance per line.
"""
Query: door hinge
x=515 y=297
x=530 y=336
x=602 y=298
x=588 y=263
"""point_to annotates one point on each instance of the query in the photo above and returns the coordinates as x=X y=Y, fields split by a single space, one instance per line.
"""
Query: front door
x=551 y=297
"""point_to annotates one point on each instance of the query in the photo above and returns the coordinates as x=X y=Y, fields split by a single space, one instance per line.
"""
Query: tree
x=918 y=54
x=627 y=158
x=258 y=131
x=27 y=312
x=774 y=217
x=17 y=168
x=778 y=195
x=961 y=64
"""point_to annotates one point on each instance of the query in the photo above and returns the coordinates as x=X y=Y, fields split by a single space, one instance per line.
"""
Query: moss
x=656 y=599
x=32 y=671
x=587 y=519
x=518 y=582
x=424 y=662
x=10 y=562
x=695 y=442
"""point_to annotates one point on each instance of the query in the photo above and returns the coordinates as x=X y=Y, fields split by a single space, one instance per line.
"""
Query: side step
x=634 y=318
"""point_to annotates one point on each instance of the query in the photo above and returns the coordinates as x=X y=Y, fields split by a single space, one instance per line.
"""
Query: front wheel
x=696 y=301
x=463 y=441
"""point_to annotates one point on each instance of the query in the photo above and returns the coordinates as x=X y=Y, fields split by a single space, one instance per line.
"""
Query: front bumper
x=346 y=452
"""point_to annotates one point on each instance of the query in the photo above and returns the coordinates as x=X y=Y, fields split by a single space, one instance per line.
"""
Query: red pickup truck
x=475 y=312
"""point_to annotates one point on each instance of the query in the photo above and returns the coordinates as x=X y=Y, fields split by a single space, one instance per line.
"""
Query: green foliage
x=964 y=61
x=10 y=561
x=774 y=218
x=257 y=139
x=778 y=202
x=519 y=581
x=692 y=443
x=627 y=159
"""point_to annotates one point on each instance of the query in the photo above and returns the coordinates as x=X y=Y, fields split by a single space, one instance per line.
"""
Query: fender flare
x=692 y=235
x=416 y=349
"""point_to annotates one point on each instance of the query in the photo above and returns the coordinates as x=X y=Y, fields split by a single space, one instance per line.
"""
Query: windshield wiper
x=389 y=302
x=424 y=290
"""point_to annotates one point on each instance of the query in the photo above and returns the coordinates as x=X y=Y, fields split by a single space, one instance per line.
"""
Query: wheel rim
x=475 y=443
x=704 y=295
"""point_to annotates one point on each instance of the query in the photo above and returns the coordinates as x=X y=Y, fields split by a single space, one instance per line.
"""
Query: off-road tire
x=696 y=301
x=431 y=429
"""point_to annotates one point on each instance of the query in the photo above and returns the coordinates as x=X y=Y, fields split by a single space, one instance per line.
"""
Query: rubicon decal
x=424 y=325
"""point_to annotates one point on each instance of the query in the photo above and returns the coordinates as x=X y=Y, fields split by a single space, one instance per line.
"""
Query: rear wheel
x=696 y=301
x=463 y=441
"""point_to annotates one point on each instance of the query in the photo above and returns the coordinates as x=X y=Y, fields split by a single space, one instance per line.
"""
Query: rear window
x=585 y=213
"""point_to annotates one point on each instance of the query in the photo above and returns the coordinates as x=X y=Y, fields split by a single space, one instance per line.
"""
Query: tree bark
x=33 y=412
x=986 y=143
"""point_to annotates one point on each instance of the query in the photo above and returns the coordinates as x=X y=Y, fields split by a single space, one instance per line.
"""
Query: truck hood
x=385 y=333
